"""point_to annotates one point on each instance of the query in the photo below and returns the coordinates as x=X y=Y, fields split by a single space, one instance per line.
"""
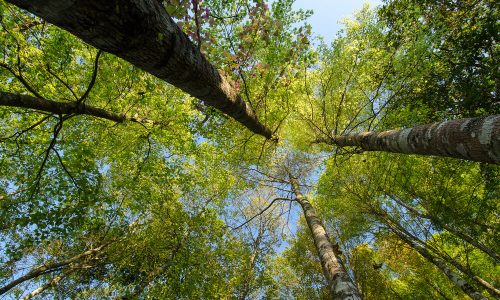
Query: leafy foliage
x=182 y=203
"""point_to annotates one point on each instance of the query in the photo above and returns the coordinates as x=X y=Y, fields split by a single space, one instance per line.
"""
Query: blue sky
x=328 y=13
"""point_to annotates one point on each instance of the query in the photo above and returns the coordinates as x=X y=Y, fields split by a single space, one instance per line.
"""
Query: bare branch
x=261 y=212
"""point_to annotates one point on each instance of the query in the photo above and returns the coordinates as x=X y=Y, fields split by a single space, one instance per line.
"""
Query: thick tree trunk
x=333 y=267
x=63 y=108
x=142 y=33
x=476 y=139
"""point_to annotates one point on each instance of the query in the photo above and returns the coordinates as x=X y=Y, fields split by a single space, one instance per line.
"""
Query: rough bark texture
x=142 y=33
x=63 y=108
x=341 y=284
x=476 y=139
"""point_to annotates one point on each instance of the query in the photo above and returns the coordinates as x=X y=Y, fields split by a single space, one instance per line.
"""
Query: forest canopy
x=222 y=150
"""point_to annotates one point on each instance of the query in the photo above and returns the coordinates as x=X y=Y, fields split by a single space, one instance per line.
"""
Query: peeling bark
x=63 y=108
x=142 y=33
x=340 y=283
x=476 y=139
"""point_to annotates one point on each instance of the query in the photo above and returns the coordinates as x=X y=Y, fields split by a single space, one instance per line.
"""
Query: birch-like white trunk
x=333 y=268
x=476 y=139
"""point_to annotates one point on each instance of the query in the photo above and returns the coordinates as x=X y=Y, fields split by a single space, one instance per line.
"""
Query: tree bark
x=476 y=139
x=63 y=108
x=251 y=264
x=335 y=272
x=142 y=33
x=453 y=276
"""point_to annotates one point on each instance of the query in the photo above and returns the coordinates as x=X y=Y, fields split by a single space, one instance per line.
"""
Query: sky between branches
x=328 y=13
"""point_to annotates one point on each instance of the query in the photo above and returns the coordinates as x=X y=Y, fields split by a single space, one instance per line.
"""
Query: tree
x=341 y=284
x=472 y=139
x=159 y=47
x=114 y=185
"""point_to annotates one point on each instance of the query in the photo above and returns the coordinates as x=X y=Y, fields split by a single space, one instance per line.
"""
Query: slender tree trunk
x=466 y=271
x=50 y=267
x=341 y=284
x=142 y=33
x=474 y=242
x=248 y=277
x=476 y=139
x=480 y=281
x=63 y=108
x=49 y=284
x=441 y=265
x=453 y=276
x=251 y=264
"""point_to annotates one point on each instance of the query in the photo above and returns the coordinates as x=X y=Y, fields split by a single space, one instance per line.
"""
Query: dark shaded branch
x=22 y=80
x=92 y=80
x=66 y=108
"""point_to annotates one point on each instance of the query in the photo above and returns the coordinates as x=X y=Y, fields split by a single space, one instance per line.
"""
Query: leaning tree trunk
x=142 y=33
x=476 y=139
x=436 y=221
x=453 y=276
x=335 y=272
x=405 y=236
x=47 y=268
x=50 y=284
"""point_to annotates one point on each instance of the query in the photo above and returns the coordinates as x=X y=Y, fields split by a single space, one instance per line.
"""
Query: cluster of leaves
x=455 y=54
x=154 y=201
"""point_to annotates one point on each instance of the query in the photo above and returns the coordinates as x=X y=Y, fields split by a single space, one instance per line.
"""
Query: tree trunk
x=63 y=108
x=142 y=33
x=51 y=267
x=441 y=265
x=476 y=139
x=251 y=265
x=49 y=284
x=454 y=277
x=335 y=272
x=469 y=239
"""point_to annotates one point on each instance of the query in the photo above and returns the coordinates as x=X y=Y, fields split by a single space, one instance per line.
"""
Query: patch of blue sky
x=328 y=14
